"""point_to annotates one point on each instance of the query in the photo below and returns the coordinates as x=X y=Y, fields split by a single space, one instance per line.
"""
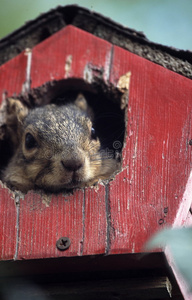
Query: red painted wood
x=81 y=217
x=12 y=78
x=43 y=220
x=13 y=75
x=95 y=231
x=156 y=160
x=8 y=225
x=70 y=53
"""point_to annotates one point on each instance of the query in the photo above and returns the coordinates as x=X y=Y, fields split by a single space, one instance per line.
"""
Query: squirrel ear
x=81 y=102
x=16 y=108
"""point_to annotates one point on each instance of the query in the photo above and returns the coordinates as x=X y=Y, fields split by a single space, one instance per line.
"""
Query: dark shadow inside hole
x=109 y=118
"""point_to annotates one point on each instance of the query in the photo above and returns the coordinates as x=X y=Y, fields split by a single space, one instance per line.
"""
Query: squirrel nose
x=72 y=165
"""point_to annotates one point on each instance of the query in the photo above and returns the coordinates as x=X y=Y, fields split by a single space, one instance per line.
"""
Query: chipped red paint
x=13 y=75
x=72 y=52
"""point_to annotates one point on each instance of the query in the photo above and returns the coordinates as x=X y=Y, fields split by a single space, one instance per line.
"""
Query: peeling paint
x=68 y=64
x=108 y=64
x=135 y=149
x=123 y=86
x=14 y=194
x=3 y=116
x=91 y=72
x=87 y=74
x=27 y=84
x=128 y=204
x=124 y=82
x=46 y=199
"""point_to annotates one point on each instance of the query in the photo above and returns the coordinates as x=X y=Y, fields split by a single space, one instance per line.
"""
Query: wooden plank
x=13 y=76
x=95 y=231
x=146 y=195
x=43 y=220
x=70 y=53
x=12 y=79
x=8 y=224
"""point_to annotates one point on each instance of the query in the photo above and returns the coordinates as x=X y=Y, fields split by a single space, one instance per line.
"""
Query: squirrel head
x=56 y=147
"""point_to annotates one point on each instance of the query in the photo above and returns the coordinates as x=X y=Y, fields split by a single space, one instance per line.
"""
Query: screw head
x=63 y=243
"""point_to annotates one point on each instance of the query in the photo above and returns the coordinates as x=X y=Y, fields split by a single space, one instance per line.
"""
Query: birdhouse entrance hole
x=105 y=102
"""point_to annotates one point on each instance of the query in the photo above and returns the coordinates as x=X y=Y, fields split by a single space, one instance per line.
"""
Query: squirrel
x=56 y=147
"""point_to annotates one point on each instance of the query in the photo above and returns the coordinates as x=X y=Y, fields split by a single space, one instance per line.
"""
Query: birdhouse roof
x=37 y=30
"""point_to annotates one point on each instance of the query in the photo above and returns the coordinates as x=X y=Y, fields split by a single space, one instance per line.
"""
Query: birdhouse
x=144 y=90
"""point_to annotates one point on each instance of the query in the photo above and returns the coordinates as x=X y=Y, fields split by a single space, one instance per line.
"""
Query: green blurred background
x=167 y=22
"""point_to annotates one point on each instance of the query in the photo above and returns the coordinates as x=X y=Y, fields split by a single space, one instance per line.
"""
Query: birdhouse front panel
x=112 y=217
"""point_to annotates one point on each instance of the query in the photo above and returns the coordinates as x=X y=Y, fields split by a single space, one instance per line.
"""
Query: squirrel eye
x=93 y=134
x=30 y=141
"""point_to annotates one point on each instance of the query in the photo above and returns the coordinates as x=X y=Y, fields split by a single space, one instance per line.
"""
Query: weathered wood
x=70 y=53
x=43 y=220
x=95 y=221
x=147 y=194
x=12 y=78
x=13 y=75
x=8 y=224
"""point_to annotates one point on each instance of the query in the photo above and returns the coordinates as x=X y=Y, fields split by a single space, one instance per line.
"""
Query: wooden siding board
x=43 y=220
x=12 y=79
x=146 y=195
x=95 y=232
x=8 y=225
x=69 y=54
x=13 y=76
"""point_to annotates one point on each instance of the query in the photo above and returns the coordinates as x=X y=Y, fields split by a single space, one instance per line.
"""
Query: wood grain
x=95 y=224
x=8 y=224
x=13 y=76
x=44 y=219
x=147 y=194
x=70 y=53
